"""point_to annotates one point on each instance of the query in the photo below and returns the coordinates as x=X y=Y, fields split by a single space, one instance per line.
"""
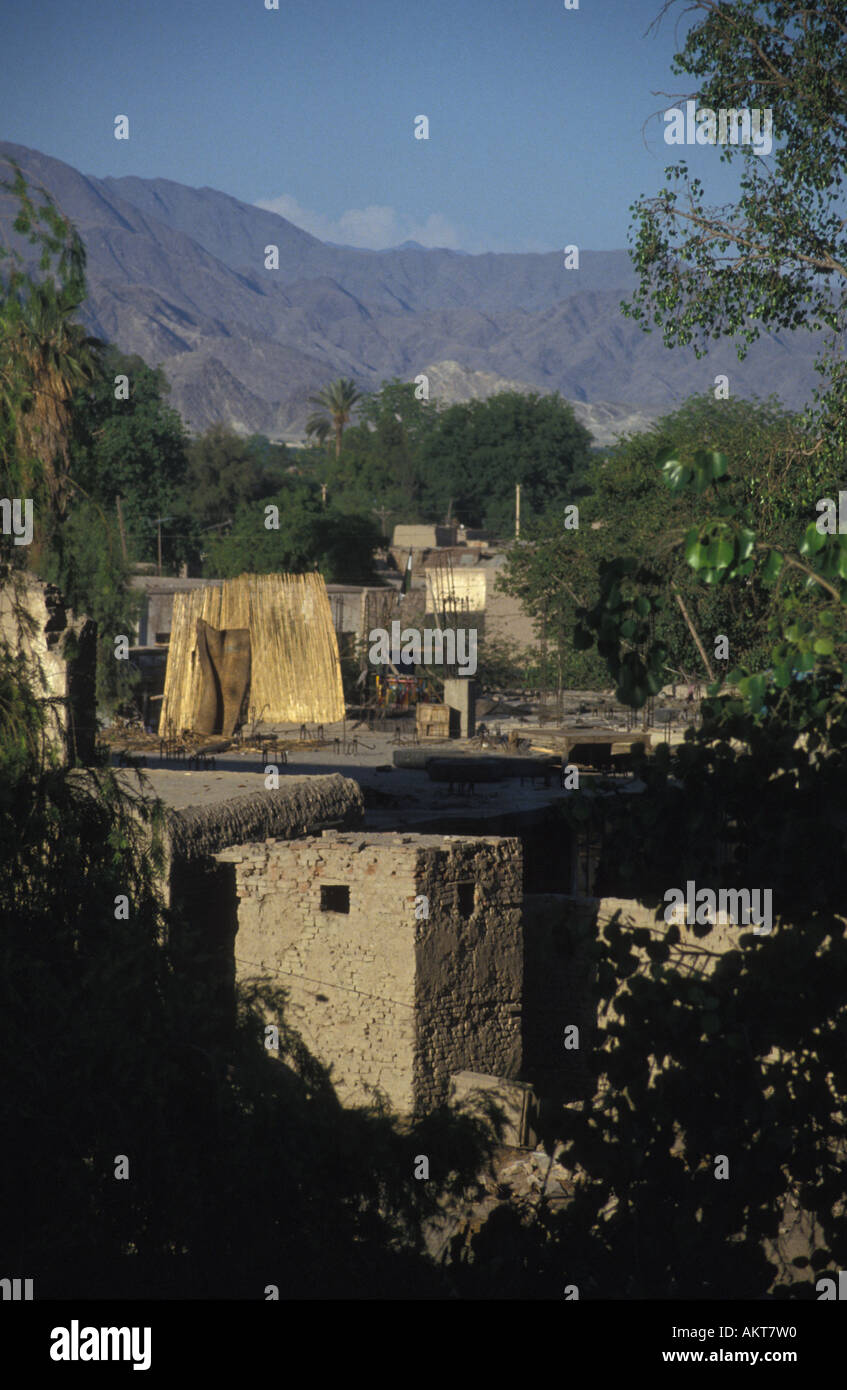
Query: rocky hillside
x=177 y=274
x=450 y=383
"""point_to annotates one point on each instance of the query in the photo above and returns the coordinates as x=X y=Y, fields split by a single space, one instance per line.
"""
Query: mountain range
x=177 y=275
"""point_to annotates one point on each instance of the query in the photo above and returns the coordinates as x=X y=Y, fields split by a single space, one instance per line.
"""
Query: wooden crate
x=433 y=721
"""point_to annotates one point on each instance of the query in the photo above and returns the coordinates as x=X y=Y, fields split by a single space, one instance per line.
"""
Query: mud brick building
x=402 y=954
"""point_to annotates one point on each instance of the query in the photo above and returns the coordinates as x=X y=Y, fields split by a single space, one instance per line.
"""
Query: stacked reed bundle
x=295 y=668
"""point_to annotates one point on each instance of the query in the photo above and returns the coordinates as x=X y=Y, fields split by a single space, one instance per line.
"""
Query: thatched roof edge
x=301 y=807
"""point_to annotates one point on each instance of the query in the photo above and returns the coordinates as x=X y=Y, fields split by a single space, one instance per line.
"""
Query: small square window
x=335 y=897
x=465 y=894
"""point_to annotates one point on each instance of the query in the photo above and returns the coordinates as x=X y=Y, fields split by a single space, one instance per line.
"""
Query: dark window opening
x=163 y=639
x=465 y=896
x=335 y=898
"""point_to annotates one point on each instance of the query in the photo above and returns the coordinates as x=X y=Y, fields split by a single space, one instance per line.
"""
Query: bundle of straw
x=295 y=667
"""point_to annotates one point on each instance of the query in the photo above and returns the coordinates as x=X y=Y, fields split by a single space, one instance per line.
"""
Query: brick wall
x=349 y=975
x=389 y=1001
x=469 y=955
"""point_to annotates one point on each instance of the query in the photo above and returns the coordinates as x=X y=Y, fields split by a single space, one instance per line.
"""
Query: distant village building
x=423 y=537
x=155 y=623
x=157 y=605
x=460 y=572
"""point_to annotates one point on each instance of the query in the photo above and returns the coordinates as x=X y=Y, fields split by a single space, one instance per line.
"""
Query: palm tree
x=338 y=400
x=45 y=358
x=319 y=426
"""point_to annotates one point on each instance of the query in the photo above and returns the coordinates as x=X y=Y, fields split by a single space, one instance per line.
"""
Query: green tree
x=46 y=365
x=338 y=400
x=318 y=427
x=778 y=257
x=625 y=509
x=52 y=356
x=345 y=546
x=745 y=1061
x=86 y=564
x=44 y=355
x=478 y=451
x=253 y=547
x=225 y=471
x=133 y=447
x=380 y=467
x=308 y=537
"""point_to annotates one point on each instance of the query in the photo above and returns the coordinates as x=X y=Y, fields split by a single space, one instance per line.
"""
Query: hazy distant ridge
x=177 y=275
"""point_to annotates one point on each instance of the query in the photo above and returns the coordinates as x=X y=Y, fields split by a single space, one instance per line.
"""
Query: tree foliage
x=338 y=400
x=379 y=469
x=412 y=460
x=778 y=257
x=131 y=446
x=44 y=355
x=626 y=511
x=308 y=536
x=743 y=1062
x=46 y=367
x=244 y=1169
x=479 y=450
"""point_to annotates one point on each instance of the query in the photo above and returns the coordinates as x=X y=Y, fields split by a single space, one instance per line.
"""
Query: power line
x=331 y=984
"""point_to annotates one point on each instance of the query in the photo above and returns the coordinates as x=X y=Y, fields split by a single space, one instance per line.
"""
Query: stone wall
x=559 y=979
x=469 y=955
x=349 y=975
x=389 y=1001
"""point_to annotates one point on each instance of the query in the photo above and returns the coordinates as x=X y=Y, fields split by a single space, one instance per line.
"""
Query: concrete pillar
x=460 y=697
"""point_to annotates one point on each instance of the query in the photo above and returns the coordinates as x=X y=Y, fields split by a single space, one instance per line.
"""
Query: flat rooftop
x=394 y=797
x=382 y=839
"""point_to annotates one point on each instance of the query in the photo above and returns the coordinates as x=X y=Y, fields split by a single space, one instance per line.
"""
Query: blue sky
x=537 y=113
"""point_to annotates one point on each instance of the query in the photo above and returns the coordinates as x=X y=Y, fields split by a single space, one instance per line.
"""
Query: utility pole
x=517 y=511
x=121 y=528
x=158 y=520
x=382 y=513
